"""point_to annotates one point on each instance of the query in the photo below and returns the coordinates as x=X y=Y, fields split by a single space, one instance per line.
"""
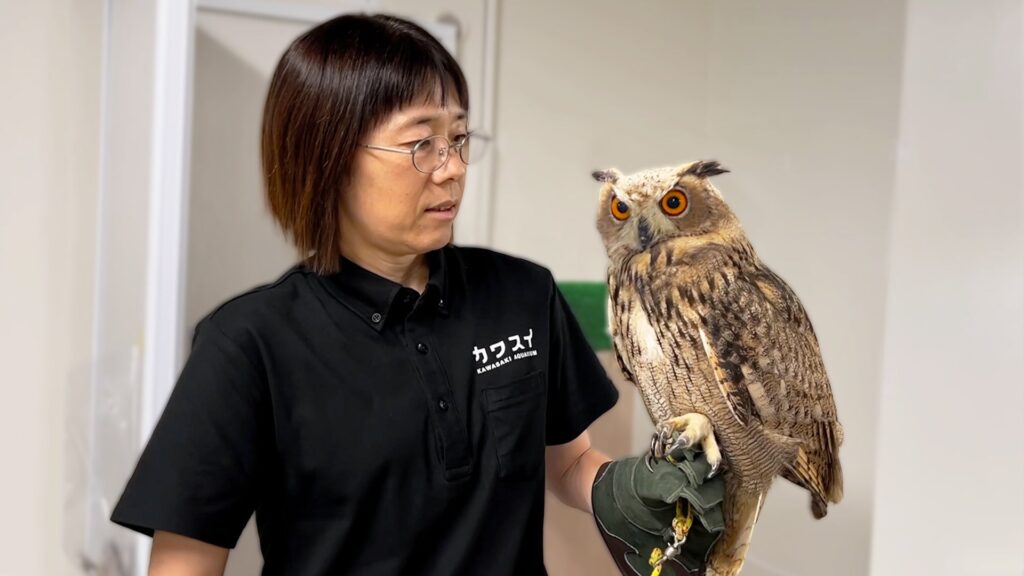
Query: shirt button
x=442 y=405
x=421 y=348
x=376 y=317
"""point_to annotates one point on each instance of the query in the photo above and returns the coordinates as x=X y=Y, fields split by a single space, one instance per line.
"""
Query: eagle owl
x=719 y=347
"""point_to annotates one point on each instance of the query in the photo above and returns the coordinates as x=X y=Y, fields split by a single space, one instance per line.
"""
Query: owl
x=720 y=348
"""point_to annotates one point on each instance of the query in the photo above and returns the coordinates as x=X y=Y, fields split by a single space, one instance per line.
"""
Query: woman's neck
x=409 y=270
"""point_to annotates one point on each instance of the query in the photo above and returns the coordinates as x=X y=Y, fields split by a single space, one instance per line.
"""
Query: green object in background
x=588 y=301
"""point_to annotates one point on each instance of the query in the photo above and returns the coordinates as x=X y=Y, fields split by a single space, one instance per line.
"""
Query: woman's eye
x=428 y=146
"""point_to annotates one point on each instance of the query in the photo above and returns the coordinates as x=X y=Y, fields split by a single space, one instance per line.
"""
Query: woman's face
x=393 y=208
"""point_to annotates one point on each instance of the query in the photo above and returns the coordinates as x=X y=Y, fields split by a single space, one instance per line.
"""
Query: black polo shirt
x=374 y=430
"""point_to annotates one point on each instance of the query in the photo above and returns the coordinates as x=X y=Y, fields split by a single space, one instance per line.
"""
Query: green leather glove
x=634 y=507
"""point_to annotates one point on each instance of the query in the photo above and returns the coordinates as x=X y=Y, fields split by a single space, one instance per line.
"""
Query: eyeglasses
x=432 y=153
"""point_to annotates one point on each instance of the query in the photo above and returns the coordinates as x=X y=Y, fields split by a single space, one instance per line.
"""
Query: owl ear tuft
x=705 y=169
x=610 y=175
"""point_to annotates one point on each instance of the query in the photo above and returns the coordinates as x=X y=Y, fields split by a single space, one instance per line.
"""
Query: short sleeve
x=197 y=475
x=579 y=390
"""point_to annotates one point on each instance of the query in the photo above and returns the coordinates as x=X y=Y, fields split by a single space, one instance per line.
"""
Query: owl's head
x=648 y=208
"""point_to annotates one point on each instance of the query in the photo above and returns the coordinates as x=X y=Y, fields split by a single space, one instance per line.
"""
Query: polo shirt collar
x=372 y=296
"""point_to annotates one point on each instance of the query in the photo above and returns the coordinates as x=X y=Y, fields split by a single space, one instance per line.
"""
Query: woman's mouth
x=444 y=210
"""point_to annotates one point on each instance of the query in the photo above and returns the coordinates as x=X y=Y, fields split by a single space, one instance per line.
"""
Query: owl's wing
x=767 y=362
x=627 y=373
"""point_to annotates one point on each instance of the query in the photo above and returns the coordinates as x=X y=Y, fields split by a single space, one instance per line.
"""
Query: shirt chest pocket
x=515 y=413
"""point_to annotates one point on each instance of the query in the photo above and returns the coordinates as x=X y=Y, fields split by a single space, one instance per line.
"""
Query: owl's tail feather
x=833 y=479
x=835 y=469
x=819 y=506
x=835 y=486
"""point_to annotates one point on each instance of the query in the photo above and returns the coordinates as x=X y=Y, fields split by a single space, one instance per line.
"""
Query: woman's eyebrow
x=428 y=118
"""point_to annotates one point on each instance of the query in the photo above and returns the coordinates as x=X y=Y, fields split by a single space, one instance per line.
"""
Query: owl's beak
x=643 y=229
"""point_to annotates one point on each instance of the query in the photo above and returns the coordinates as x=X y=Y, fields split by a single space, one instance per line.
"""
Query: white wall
x=49 y=156
x=950 y=467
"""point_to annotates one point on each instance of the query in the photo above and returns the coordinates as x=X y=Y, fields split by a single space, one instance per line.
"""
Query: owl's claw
x=659 y=448
x=714 y=468
x=648 y=459
x=687 y=431
x=683 y=441
x=657 y=452
x=666 y=435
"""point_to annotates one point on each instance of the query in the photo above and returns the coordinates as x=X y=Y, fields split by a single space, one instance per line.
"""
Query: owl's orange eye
x=620 y=210
x=674 y=203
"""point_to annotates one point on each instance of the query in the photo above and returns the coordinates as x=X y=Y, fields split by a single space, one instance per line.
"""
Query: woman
x=392 y=403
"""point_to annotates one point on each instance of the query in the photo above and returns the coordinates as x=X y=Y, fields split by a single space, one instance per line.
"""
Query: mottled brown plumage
x=701 y=325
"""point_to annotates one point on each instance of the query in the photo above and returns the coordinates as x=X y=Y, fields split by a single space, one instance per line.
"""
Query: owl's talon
x=714 y=469
x=660 y=443
x=647 y=462
x=683 y=441
x=657 y=447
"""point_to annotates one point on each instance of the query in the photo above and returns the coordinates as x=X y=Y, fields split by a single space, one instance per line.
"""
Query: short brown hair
x=334 y=85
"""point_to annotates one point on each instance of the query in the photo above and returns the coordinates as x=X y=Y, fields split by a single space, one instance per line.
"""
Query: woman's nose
x=453 y=169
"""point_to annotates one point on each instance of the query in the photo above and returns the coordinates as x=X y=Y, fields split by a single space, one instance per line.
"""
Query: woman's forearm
x=574 y=489
x=176 y=555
